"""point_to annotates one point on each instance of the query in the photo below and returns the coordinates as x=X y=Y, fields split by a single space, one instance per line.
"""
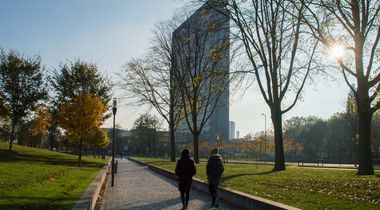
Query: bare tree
x=156 y=78
x=147 y=79
x=149 y=86
x=271 y=33
x=356 y=26
x=200 y=68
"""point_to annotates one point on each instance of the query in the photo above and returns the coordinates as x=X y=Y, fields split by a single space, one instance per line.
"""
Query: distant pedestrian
x=214 y=171
x=185 y=170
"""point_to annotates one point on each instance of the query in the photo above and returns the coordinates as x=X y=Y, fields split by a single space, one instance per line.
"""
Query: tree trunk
x=279 y=162
x=40 y=139
x=172 y=134
x=364 y=148
x=80 y=152
x=196 y=147
x=12 y=136
x=51 y=142
x=51 y=137
x=364 y=111
x=171 y=118
x=172 y=143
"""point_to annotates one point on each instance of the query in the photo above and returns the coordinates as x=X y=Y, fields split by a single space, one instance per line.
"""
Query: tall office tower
x=232 y=130
x=200 y=73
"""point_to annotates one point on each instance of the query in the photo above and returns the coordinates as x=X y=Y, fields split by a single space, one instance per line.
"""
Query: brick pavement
x=136 y=187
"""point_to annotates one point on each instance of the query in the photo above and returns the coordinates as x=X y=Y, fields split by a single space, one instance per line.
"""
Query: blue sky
x=110 y=32
x=106 y=32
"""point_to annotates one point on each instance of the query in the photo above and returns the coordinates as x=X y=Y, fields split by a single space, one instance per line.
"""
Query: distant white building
x=232 y=129
x=237 y=134
x=124 y=133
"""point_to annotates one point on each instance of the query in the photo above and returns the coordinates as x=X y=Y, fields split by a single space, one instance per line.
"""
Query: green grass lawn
x=33 y=178
x=304 y=188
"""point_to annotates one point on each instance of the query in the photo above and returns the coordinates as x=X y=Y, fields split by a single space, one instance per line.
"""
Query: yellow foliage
x=82 y=117
x=292 y=146
x=189 y=109
x=205 y=147
x=197 y=80
x=41 y=122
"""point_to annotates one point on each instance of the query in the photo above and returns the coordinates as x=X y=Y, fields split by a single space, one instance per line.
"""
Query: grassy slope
x=300 y=187
x=38 y=179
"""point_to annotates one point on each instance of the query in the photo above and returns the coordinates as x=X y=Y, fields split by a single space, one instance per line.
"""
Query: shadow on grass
x=6 y=155
x=225 y=178
x=34 y=202
x=266 y=172
x=14 y=156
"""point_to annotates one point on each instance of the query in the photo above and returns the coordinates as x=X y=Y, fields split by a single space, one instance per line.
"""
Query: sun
x=336 y=51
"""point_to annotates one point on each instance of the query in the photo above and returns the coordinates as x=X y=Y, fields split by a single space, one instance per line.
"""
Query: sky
x=111 y=32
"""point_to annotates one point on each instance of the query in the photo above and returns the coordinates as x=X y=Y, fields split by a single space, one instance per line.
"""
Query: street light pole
x=265 y=138
x=114 y=109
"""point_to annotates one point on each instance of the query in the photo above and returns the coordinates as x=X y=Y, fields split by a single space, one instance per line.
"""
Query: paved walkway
x=136 y=187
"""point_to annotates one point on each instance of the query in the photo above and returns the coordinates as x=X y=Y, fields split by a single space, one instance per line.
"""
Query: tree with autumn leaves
x=81 y=119
x=72 y=80
x=79 y=97
x=41 y=122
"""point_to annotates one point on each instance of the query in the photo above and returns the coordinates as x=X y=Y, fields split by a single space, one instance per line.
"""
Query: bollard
x=115 y=168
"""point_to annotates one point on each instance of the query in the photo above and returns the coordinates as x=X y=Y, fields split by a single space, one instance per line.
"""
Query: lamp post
x=265 y=137
x=219 y=144
x=114 y=109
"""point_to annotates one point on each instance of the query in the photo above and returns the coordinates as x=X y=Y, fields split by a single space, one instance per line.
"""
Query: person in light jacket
x=214 y=171
x=185 y=170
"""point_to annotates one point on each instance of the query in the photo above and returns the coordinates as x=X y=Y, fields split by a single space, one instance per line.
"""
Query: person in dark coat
x=185 y=170
x=214 y=170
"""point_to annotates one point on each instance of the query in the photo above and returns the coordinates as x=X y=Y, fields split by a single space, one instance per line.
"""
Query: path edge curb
x=90 y=196
x=236 y=198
